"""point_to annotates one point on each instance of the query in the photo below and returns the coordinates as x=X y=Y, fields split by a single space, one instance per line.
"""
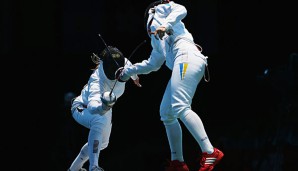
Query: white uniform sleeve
x=94 y=102
x=153 y=63
x=177 y=14
x=128 y=64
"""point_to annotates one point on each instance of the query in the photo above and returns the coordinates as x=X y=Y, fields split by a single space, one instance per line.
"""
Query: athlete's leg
x=187 y=72
x=81 y=158
x=107 y=131
x=172 y=126
x=96 y=124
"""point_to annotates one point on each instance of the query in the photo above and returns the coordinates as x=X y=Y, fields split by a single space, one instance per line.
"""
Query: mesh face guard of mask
x=112 y=59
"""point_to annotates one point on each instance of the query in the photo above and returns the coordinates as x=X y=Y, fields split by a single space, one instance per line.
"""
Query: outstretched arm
x=153 y=63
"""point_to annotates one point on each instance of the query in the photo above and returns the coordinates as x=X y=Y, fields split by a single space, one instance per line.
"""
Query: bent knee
x=164 y=110
x=104 y=145
x=170 y=121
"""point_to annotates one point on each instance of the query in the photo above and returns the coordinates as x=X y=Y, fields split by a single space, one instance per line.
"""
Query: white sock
x=174 y=134
x=195 y=126
x=81 y=158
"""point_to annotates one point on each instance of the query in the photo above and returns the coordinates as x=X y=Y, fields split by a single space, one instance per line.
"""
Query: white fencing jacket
x=97 y=84
x=168 y=15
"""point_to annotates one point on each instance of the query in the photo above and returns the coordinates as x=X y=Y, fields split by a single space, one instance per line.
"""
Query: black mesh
x=112 y=59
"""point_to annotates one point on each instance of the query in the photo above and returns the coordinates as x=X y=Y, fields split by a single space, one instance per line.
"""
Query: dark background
x=249 y=107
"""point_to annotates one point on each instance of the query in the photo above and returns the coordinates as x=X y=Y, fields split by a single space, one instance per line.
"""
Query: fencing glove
x=108 y=100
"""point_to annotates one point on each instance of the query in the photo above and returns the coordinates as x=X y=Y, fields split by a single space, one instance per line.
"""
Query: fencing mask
x=112 y=59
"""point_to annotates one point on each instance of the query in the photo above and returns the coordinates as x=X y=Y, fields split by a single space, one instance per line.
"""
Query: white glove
x=108 y=100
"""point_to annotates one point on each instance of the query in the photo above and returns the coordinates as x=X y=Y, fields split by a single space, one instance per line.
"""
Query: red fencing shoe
x=208 y=161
